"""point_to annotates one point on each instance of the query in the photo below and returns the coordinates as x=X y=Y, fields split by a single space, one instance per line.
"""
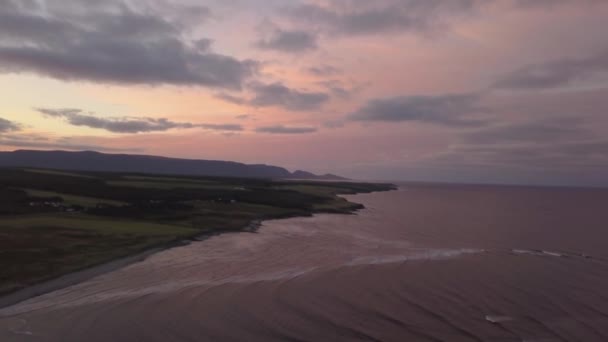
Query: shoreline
x=87 y=273
x=80 y=276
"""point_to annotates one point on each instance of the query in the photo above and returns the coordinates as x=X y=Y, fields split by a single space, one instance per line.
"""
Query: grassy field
x=89 y=202
x=56 y=222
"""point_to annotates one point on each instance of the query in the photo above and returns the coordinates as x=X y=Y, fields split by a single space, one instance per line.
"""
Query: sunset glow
x=508 y=91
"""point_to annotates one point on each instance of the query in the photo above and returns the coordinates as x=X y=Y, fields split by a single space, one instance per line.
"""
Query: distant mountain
x=299 y=174
x=96 y=161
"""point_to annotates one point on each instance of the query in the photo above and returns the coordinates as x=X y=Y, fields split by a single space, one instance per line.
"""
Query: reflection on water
x=428 y=263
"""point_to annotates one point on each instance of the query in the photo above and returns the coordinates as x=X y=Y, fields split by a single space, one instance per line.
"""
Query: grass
x=55 y=172
x=89 y=202
x=313 y=189
x=169 y=185
x=168 y=179
x=96 y=224
x=142 y=211
x=37 y=248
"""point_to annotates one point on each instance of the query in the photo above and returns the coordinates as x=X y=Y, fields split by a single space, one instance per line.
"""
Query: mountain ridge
x=105 y=162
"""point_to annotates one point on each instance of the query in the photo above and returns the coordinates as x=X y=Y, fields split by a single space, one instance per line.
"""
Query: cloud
x=38 y=142
x=113 y=42
x=539 y=131
x=555 y=73
x=280 y=129
x=277 y=94
x=77 y=117
x=356 y=17
x=563 y=146
x=450 y=110
x=542 y=4
x=557 y=157
x=289 y=41
x=361 y=17
x=221 y=127
x=323 y=70
x=334 y=123
x=339 y=89
x=231 y=98
x=8 y=126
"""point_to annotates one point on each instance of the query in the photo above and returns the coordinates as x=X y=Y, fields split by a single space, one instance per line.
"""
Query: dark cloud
x=363 y=17
x=355 y=17
x=244 y=117
x=541 y=151
x=203 y=45
x=280 y=129
x=8 y=126
x=542 y=4
x=324 y=70
x=450 y=110
x=37 y=142
x=555 y=73
x=340 y=90
x=334 y=123
x=557 y=157
x=221 y=127
x=113 y=42
x=542 y=131
x=78 y=117
x=277 y=94
x=231 y=98
x=289 y=41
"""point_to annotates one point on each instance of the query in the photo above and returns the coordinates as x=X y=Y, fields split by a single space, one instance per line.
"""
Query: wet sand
x=426 y=263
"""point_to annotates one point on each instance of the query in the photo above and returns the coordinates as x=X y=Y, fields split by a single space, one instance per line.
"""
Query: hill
x=101 y=162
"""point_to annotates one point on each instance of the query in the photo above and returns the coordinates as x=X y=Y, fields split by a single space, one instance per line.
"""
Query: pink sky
x=509 y=91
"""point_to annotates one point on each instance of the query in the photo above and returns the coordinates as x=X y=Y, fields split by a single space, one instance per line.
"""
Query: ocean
x=424 y=263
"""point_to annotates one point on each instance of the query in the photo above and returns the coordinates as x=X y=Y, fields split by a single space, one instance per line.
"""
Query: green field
x=72 y=199
x=168 y=185
x=55 y=222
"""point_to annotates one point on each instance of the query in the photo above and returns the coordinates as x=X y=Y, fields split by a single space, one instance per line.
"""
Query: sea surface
x=424 y=263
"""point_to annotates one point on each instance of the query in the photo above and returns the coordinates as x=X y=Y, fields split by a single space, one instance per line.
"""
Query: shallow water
x=425 y=263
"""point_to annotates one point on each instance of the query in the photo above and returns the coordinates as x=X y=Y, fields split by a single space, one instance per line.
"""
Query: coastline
x=82 y=275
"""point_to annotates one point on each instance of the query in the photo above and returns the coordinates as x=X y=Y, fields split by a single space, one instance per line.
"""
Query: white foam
x=538 y=252
x=22 y=330
x=414 y=255
x=498 y=319
x=56 y=300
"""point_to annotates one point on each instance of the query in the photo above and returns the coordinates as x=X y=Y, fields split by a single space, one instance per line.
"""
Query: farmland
x=54 y=222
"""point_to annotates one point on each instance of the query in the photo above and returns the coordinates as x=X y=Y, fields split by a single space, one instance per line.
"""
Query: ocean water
x=424 y=263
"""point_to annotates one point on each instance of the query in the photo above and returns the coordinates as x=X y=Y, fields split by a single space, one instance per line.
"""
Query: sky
x=499 y=91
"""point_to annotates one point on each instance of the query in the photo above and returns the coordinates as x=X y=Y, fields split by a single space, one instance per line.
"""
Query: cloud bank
x=280 y=129
x=278 y=95
x=556 y=73
x=78 y=117
x=8 y=126
x=113 y=42
x=450 y=110
x=289 y=41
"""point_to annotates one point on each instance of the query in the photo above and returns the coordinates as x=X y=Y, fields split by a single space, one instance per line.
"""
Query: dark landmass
x=101 y=162
x=57 y=222
x=299 y=174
